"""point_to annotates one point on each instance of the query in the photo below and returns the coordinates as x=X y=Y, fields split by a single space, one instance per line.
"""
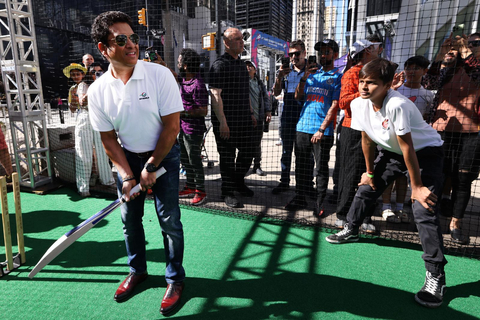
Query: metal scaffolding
x=23 y=89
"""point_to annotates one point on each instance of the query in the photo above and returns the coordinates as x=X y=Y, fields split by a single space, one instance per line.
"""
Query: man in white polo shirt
x=409 y=145
x=140 y=102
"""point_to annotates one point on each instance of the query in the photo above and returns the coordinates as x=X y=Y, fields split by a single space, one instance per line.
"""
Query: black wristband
x=321 y=130
x=128 y=178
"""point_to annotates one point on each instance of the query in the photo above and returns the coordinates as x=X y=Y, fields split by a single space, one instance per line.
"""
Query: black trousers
x=257 y=144
x=352 y=165
x=304 y=166
x=233 y=165
x=388 y=167
x=462 y=165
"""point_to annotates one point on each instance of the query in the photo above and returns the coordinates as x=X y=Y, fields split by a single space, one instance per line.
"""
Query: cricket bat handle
x=137 y=189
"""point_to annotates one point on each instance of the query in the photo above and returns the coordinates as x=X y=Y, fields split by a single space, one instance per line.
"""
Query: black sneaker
x=458 y=236
x=231 y=201
x=346 y=235
x=298 y=202
x=280 y=188
x=260 y=172
x=431 y=294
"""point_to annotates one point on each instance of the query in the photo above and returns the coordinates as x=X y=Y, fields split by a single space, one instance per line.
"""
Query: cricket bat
x=71 y=236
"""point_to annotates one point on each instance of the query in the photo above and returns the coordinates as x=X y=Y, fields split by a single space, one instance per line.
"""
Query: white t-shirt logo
x=385 y=124
x=143 y=96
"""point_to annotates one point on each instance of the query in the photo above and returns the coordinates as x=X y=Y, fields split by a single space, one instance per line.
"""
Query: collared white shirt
x=134 y=109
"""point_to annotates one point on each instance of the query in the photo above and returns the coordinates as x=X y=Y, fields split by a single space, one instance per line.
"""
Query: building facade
x=273 y=17
x=413 y=27
x=308 y=22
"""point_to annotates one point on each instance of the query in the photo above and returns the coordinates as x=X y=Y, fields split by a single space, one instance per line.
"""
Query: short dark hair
x=475 y=34
x=420 y=61
x=102 y=23
x=297 y=43
x=374 y=38
x=191 y=58
x=379 y=69
x=95 y=64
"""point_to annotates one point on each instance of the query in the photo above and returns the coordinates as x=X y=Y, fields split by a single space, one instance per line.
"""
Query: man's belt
x=142 y=155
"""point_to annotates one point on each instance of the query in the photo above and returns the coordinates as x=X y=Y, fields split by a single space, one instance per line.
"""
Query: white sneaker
x=390 y=216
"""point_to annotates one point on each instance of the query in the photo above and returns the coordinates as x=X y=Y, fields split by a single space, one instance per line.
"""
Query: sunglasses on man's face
x=121 y=39
x=296 y=54
x=474 y=43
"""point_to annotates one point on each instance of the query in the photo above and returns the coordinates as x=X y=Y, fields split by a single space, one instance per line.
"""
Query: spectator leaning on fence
x=85 y=137
x=140 y=102
x=192 y=124
x=455 y=75
x=388 y=119
x=320 y=89
x=234 y=120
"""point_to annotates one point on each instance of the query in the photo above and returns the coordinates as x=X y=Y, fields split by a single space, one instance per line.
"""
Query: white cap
x=359 y=46
x=251 y=62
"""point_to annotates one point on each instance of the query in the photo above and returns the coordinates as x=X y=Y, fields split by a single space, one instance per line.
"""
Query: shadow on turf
x=287 y=295
x=301 y=296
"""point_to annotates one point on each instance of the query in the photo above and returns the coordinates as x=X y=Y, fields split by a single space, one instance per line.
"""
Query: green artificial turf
x=236 y=269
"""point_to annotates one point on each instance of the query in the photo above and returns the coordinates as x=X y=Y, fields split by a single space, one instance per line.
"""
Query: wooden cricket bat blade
x=71 y=236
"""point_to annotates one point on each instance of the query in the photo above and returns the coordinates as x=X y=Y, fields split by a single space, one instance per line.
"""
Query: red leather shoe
x=126 y=288
x=172 y=296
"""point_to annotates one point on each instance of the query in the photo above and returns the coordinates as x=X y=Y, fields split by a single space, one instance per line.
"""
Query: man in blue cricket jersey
x=321 y=90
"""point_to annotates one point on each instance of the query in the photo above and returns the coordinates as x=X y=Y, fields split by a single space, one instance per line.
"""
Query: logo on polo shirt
x=385 y=124
x=143 y=96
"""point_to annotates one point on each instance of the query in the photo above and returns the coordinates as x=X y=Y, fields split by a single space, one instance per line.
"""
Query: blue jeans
x=165 y=192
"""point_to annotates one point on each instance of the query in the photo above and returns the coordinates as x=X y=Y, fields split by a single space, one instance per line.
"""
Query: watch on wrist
x=150 y=167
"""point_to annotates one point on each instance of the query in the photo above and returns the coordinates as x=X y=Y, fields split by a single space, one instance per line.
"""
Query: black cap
x=328 y=43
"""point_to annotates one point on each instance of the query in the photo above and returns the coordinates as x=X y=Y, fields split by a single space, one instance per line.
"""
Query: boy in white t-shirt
x=409 y=145
x=415 y=68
